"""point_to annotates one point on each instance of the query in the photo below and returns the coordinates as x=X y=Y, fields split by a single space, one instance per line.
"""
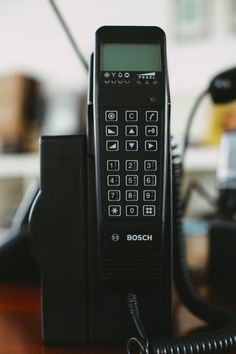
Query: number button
x=113 y=165
x=151 y=130
x=131 y=180
x=149 y=210
x=149 y=195
x=151 y=116
x=113 y=180
x=150 y=180
x=114 y=210
x=131 y=116
x=111 y=116
x=150 y=165
x=111 y=130
x=131 y=210
x=131 y=165
x=131 y=195
x=113 y=196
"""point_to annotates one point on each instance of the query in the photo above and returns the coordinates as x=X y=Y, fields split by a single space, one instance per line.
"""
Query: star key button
x=114 y=210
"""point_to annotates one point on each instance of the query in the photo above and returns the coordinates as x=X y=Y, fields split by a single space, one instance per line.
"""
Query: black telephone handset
x=131 y=126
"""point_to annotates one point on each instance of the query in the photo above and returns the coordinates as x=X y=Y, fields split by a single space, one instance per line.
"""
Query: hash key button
x=149 y=210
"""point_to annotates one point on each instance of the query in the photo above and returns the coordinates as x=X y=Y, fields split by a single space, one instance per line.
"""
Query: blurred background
x=43 y=86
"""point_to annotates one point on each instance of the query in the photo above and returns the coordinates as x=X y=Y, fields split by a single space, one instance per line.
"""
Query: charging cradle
x=77 y=306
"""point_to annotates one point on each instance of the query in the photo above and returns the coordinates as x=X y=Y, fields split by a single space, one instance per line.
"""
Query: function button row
x=132 y=180
x=131 y=130
x=132 y=210
x=132 y=195
x=131 y=165
x=131 y=145
x=131 y=116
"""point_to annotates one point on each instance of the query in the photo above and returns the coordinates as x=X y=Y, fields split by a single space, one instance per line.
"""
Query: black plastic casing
x=78 y=305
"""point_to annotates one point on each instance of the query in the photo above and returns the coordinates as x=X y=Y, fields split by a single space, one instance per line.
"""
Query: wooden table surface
x=20 y=331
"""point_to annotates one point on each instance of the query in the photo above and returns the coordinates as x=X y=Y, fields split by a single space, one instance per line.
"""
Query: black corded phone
x=98 y=227
x=101 y=225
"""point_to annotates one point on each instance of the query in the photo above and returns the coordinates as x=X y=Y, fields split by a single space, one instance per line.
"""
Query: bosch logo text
x=139 y=237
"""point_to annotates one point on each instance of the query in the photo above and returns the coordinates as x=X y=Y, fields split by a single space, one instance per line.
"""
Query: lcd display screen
x=131 y=56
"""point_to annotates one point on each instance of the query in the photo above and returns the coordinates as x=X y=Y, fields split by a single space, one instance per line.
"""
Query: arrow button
x=150 y=145
x=131 y=145
x=131 y=130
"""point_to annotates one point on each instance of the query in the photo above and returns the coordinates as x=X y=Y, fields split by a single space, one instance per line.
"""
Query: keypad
x=131 y=143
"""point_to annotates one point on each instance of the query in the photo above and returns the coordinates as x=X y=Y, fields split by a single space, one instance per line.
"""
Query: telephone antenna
x=69 y=34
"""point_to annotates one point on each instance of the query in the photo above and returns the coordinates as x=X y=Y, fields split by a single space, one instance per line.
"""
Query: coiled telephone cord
x=222 y=339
